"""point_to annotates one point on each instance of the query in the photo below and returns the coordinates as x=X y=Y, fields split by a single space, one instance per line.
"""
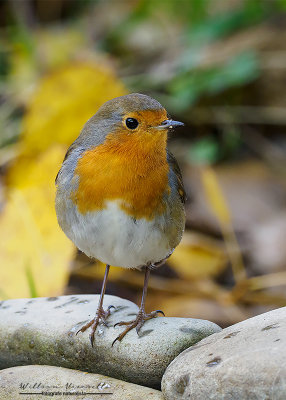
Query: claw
x=100 y=318
x=122 y=323
x=139 y=326
x=91 y=338
x=137 y=323
x=86 y=326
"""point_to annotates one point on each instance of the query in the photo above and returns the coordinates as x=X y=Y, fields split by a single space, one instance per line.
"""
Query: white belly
x=114 y=238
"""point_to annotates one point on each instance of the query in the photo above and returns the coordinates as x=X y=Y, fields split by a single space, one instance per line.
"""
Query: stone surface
x=62 y=383
x=42 y=331
x=244 y=361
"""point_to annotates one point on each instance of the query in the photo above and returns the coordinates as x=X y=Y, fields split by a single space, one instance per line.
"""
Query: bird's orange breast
x=131 y=168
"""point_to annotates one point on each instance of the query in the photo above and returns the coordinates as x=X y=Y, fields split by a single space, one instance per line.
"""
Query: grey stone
x=244 y=361
x=42 y=331
x=63 y=383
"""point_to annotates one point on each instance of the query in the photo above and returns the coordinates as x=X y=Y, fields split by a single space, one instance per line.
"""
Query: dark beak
x=169 y=123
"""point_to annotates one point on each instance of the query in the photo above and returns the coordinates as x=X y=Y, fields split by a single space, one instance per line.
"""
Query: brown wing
x=179 y=180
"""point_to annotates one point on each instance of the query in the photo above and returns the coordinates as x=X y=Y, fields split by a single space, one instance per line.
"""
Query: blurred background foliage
x=217 y=65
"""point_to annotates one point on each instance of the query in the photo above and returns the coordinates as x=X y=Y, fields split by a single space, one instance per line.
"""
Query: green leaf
x=31 y=282
x=205 y=151
x=189 y=86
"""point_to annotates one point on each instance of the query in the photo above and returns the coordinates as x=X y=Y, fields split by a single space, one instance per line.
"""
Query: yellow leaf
x=198 y=257
x=220 y=209
x=30 y=236
x=215 y=196
x=64 y=101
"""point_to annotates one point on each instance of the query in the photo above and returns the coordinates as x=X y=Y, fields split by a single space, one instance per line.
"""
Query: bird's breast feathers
x=133 y=171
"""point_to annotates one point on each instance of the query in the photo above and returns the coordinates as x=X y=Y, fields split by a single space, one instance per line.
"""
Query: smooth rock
x=42 y=331
x=45 y=381
x=244 y=361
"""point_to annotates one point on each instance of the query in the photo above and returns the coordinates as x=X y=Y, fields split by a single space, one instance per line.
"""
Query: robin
x=120 y=196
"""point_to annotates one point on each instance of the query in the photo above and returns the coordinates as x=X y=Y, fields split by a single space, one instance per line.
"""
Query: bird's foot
x=99 y=319
x=137 y=323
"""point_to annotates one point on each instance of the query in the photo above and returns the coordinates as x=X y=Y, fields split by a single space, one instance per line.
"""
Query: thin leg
x=145 y=287
x=103 y=287
x=101 y=315
x=141 y=317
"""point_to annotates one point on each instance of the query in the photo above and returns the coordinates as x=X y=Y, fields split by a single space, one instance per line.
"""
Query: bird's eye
x=131 y=123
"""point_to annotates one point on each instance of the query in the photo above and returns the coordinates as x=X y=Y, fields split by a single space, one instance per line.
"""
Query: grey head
x=108 y=118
